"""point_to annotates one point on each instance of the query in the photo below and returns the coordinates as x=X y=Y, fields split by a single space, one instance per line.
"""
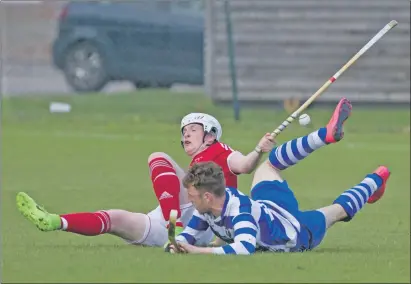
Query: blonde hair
x=206 y=177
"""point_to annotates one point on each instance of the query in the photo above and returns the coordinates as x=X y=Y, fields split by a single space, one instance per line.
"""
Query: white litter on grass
x=56 y=107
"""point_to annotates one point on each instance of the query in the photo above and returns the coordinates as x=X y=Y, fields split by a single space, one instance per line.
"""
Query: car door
x=140 y=34
x=187 y=43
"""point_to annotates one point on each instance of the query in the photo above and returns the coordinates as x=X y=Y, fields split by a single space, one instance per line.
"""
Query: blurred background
x=281 y=49
x=91 y=88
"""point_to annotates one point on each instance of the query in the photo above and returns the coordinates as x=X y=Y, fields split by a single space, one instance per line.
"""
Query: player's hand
x=187 y=248
x=168 y=247
x=171 y=249
x=266 y=143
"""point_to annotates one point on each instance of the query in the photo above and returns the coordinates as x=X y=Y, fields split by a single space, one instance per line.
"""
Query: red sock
x=166 y=186
x=87 y=224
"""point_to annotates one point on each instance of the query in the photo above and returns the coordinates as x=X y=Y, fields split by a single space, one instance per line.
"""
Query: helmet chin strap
x=203 y=146
x=200 y=148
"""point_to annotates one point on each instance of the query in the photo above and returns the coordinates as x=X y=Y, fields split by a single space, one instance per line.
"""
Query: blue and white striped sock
x=354 y=199
x=291 y=152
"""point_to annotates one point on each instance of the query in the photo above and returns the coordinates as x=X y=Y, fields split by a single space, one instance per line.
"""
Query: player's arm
x=245 y=164
x=217 y=242
x=245 y=232
x=194 y=229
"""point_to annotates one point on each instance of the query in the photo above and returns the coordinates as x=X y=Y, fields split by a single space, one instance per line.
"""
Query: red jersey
x=218 y=153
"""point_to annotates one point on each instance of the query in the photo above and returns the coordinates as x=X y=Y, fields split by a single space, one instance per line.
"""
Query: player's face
x=198 y=200
x=193 y=135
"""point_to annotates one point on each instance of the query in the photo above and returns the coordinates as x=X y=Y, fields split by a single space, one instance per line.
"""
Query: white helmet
x=210 y=123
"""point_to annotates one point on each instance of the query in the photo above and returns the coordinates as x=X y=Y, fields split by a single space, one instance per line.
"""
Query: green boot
x=36 y=214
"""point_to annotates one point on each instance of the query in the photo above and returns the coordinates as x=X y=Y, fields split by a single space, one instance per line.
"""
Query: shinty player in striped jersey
x=201 y=140
x=271 y=220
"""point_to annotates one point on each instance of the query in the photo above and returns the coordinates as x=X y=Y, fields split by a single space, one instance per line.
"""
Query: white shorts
x=156 y=234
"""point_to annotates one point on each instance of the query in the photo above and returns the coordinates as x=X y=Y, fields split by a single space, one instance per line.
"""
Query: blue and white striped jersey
x=246 y=226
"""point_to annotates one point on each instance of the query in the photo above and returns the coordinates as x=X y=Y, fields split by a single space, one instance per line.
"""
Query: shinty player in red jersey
x=200 y=138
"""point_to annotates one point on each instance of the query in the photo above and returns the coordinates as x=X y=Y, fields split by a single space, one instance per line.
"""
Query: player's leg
x=83 y=223
x=130 y=226
x=124 y=224
x=315 y=223
x=166 y=176
x=156 y=233
x=293 y=151
x=268 y=185
x=351 y=201
x=266 y=172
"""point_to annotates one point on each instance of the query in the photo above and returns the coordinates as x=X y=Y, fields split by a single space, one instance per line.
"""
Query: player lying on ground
x=271 y=220
x=200 y=136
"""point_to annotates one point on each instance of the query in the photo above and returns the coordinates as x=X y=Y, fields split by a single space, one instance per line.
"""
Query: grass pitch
x=96 y=158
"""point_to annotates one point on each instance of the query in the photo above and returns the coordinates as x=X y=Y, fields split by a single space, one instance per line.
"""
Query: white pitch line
x=370 y=146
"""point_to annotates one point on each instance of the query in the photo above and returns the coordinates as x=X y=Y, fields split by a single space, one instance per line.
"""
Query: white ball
x=304 y=119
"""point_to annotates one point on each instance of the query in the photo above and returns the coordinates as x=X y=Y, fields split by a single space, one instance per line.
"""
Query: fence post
x=231 y=54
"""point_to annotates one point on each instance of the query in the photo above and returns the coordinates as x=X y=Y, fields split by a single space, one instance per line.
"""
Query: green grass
x=95 y=158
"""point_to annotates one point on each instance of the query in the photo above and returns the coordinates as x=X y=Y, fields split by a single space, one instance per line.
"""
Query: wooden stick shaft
x=324 y=87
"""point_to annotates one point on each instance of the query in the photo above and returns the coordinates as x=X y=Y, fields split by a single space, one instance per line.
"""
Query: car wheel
x=84 y=68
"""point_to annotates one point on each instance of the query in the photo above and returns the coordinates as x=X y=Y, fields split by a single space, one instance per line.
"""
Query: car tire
x=84 y=67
